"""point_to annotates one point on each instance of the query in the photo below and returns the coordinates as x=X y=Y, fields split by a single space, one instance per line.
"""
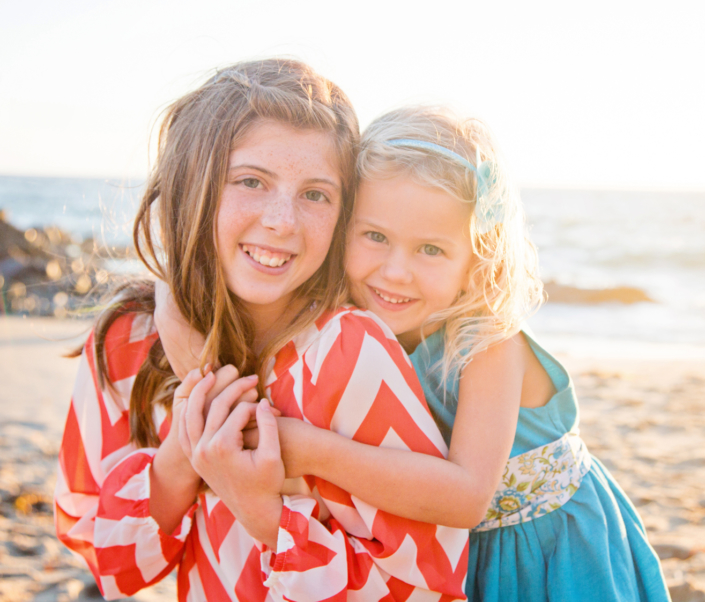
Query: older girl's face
x=277 y=214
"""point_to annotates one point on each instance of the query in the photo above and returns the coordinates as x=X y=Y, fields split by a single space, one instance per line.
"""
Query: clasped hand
x=212 y=437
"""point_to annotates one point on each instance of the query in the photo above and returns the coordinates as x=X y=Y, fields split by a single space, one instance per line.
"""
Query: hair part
x=503 y=286
x=175 y=231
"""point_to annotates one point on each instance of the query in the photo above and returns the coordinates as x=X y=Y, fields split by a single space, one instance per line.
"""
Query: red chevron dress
x=346 y=373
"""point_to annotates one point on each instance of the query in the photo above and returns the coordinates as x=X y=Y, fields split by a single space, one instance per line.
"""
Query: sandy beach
x=644 y=418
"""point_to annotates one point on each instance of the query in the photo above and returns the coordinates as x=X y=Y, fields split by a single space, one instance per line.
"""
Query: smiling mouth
x=391 y=298
x=265 y=257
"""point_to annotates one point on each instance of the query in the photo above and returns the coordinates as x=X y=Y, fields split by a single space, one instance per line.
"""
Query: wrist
x=261 y=518
x=304 y=447
x=317 y=451
x=171 y=458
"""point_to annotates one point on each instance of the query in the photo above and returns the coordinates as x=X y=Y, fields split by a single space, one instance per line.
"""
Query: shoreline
x=642 y=414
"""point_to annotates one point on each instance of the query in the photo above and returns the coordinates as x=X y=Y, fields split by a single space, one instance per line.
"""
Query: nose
x=281 y=214
x=396 y=267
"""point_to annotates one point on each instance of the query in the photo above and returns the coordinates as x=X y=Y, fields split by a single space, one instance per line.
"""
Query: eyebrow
x=247 y=166
x=324 y=181
x=331 y=183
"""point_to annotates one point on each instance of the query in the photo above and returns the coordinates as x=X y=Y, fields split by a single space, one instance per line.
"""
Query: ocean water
x=652 y=241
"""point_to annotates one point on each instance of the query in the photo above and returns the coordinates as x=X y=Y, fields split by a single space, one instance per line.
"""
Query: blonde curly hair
x=503 y=287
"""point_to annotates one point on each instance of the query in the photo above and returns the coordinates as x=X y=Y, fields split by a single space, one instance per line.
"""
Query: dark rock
x=558 y=293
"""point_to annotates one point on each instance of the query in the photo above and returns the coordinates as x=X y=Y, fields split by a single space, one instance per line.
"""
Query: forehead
x=412 y=210
x=276 y=146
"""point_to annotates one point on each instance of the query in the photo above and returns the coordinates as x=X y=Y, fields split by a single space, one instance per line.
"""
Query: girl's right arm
x=181 y=343
x=454 y=493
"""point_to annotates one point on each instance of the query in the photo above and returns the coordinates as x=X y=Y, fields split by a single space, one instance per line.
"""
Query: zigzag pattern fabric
x=348 y=374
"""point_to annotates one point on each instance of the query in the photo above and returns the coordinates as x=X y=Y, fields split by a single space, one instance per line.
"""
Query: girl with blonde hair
x=437 y=249
x=244 y=217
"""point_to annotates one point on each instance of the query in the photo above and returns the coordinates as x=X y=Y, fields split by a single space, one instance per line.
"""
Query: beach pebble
x=665 y=551
x=26 y=545
x=686 y=592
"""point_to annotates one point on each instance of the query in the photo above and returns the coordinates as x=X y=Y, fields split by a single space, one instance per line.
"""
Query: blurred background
x=598 y=107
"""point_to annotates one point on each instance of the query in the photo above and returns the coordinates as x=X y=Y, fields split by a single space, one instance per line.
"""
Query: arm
x=182 y=344
x=423 y=487
x=102 y=499
x=174 y=483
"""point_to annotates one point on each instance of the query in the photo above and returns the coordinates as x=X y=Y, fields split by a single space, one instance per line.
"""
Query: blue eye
x=376 y=236
x=316 y=196
x=251 y=182
x=431 y=250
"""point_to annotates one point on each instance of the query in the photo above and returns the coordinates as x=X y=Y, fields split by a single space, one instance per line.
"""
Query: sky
x=597 y=95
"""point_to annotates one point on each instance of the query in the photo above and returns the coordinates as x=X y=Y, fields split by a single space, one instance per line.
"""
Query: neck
x=272 y=319
x=410 y=339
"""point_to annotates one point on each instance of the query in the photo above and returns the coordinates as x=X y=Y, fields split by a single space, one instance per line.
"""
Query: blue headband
x=487 y=216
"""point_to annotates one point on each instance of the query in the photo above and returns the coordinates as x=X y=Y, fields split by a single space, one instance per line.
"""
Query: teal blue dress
x=592 y=548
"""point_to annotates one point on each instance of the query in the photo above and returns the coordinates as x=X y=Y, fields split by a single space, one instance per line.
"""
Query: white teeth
x=390 y=300
x=265 y=257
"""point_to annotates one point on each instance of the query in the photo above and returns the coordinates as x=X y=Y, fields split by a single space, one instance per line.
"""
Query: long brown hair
x=175 y=232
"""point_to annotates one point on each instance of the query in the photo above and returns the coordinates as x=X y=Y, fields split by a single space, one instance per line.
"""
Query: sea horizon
x=646 y=241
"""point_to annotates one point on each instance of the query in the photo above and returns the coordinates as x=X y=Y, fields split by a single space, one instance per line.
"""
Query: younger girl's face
x=278 y=212
x=408 y=253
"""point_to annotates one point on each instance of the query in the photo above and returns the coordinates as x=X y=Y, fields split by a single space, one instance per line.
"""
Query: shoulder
x=350 y=320
x=348 y=336
x=348 y=328
x=500 y=362
x=126 y=344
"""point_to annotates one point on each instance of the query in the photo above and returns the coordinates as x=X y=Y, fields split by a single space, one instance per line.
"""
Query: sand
x=35 y=392
x=644 y=419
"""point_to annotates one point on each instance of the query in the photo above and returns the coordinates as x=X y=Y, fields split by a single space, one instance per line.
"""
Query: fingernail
x=252 y=377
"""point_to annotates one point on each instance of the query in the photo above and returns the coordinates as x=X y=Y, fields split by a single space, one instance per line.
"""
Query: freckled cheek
x=232 y=221
x=320 y=230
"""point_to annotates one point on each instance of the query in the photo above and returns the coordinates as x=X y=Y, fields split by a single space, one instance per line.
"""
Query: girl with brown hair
x=244 y=217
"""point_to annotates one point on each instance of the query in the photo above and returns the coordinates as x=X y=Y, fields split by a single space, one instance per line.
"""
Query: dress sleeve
x=358 y=382
x=101 y=503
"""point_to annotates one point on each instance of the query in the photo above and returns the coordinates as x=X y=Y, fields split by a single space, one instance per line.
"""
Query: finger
x=268 y=448
x=183 y=436
x=222 y=405
x=237 y=420
x=190 y=381
x=224 y=377
x=194 y=408
x=249 y=396
x=250 y=438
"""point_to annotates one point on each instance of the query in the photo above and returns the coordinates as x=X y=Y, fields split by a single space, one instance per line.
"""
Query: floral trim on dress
x=538 y=482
